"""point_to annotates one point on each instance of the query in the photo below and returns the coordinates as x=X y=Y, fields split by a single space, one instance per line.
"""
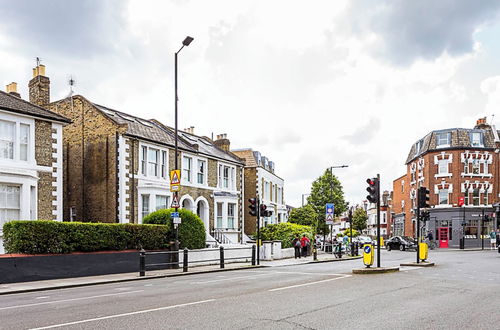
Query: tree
x=326 y=189
x=305 y=215
x=359 y=218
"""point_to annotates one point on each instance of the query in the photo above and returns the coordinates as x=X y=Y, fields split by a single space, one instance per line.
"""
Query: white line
x=310 y=283
x=321 y=274
x=231 y=278
x=124 y=314
x=72 y=299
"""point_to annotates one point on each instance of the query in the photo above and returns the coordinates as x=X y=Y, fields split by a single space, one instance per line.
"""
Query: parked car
x=362 y=240
x=400 y=243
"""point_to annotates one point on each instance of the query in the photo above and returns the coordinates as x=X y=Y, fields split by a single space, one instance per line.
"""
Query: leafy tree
x=305 y=215
x=359 y=218
x=326 y=189
x=285 y=232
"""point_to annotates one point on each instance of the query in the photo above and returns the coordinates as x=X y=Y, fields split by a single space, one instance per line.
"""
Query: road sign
x=177 y=220
x=175 y=180
x=175 y=202
x=329 y=213
x=174 y=214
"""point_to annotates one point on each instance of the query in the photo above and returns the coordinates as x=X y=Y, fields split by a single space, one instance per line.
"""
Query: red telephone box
x=443 y=237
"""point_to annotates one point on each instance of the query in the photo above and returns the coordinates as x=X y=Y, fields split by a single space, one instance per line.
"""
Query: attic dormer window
x=443 y=139
x=418 y=146
x=476 y=139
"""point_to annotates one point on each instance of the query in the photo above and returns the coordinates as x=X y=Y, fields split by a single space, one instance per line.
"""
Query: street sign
x=461 y=200
x=177 y=220
x=175 y=180
x=329 y=213
x=175 y=202
x=174 y=214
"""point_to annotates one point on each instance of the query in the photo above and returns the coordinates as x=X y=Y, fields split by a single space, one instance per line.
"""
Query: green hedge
x=191 y=230
x=285 y=232
x=39 y=237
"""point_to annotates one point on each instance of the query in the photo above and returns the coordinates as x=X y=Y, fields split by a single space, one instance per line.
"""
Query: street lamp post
x=186 y=42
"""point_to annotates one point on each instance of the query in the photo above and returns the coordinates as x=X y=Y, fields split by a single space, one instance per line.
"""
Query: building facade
x=262 y=182
x=454 y=164
x=31 y=155
x=118 y=168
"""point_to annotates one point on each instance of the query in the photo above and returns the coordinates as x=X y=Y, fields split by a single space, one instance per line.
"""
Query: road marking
x=310 y=283
x=303 y=273
x=232 y=278
x=44 y=297
x=72 y=299
x=407 y=268
x=122 y=315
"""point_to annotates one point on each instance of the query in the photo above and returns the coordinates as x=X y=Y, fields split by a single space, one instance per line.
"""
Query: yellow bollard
x=423 y=251
x=368 y=255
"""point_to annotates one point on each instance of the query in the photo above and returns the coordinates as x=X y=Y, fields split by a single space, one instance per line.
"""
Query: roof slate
x=13 y=103
x=460 y=139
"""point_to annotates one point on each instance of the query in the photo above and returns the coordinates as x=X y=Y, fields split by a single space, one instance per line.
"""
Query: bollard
x=185 y=261
x=142 y=263
x=253 y=255
x=221 y=257
x=315 y=254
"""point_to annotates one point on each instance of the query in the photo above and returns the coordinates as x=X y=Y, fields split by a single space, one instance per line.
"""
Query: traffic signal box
x=423 y=197
x=253 y=206
x=368 y=255
x=264 y=212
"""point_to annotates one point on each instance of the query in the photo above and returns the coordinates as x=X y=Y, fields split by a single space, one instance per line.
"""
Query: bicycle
x=431 y=244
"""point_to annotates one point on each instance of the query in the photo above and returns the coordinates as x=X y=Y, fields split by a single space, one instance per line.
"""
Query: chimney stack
x=39 y=87
x=481 y=123
x=12 y=89
x=222 y=142
x=189 y=130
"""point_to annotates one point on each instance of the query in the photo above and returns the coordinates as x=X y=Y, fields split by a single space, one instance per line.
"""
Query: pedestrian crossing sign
x=175 y=177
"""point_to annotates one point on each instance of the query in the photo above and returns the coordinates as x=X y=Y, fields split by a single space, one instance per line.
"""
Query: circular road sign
x=368 y=249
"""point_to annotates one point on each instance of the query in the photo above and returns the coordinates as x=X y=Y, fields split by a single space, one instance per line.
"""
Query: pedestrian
x=498 y=239
x=493 y=239
x=297 y=246
x=304 y=241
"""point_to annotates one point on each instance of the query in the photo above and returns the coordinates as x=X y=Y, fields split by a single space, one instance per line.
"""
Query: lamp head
x=187 y=41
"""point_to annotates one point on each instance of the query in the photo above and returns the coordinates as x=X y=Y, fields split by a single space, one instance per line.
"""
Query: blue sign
x=329 y=213
x=174 y=214
x=368 y=249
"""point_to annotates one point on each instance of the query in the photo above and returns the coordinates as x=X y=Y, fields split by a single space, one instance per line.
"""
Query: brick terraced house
x=262 y=182
x=118 y=165
x=454 y=164
x=31 y=155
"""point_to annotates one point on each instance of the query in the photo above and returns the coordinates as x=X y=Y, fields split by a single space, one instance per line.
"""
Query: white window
x=226 y=177
x=145 y=205
x=466 y=167
x=187 y=168
x=476 y=139
x=163 y=164
x=476 y=166
x=443 y=196
x=443 y=139
x=230 y=215
x=443 y=166
x=9 y=203
x=201 y=171
x=485 y=198
x=475 y=197
x=7 y=139
x=153 y=161
x=24 y=139
x=219 y=215
x=144 y=160
x=418 y=146
x=161 y=202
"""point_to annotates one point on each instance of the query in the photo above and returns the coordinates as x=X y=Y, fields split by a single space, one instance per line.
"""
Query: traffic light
x=253 y=206
x=264 y=212
x=423 y=197
x=372 y=189
x=425 y=216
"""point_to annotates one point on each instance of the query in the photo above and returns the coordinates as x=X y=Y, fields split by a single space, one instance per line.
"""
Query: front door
x=443 y=237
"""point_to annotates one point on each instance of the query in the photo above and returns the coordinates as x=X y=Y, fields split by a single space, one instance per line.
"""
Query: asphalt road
x=461 y=292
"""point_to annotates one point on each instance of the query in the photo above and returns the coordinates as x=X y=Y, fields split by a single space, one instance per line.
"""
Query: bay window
x=10 y=203
x=145 y=205
x=230 y=215
x=219 y=215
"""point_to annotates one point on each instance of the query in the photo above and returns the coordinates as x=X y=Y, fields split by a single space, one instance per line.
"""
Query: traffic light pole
x=419 y=196
x=258 y=231
x=378 y=220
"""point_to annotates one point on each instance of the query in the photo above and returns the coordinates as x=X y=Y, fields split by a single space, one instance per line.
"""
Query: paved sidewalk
x=11 y=288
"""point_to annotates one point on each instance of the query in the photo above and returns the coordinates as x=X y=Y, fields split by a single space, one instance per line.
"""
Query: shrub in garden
x=347 y=232
x=285 y=232
x=40 y=237
x=191 y=230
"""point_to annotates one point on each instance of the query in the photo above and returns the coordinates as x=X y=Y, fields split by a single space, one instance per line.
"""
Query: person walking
x=297 y=246
x=493 y=239
x=304 y=241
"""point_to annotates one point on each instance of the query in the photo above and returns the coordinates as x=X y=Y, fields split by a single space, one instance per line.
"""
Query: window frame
x=187 y=172
x=441 y=193
x=439 y=139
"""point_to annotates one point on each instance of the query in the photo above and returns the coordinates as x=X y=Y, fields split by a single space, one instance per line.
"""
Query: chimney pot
x=39 y=87
x=39 y=70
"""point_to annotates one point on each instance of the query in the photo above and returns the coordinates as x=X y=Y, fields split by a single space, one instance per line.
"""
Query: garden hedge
x=285 y=232
x=41 y=237
x=191 y=230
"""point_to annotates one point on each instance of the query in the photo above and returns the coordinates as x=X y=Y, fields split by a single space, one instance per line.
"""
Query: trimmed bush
x=347 y=232
x=285 y=232
x=41 y=237
x=191 y=230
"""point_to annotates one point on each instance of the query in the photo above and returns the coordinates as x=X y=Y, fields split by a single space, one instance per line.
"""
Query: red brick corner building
x=452 y=163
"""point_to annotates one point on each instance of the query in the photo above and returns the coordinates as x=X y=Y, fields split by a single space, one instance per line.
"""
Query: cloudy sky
x=310 y=84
